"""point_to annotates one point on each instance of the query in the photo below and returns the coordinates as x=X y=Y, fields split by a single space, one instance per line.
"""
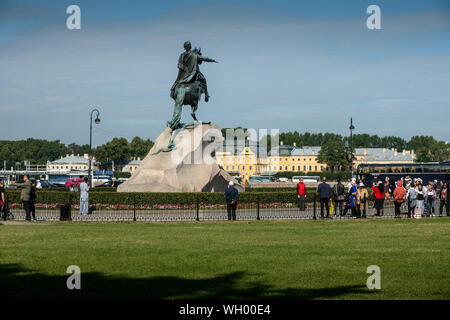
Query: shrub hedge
x=157 y=198
x=64 y=189
x=51 y=197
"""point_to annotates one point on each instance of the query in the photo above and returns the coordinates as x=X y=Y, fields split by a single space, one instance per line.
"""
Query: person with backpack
x=411 y=195
x=352 y=194
x=338 y=194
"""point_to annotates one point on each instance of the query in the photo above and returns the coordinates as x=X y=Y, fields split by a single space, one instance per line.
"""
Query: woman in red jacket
x=301 y=195
x=379 y=198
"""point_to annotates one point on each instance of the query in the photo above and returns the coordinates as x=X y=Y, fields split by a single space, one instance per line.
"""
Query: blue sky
x=288 y=65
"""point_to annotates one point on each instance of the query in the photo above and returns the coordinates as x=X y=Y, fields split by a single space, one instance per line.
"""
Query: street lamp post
x=97 y=121
x=351 y=145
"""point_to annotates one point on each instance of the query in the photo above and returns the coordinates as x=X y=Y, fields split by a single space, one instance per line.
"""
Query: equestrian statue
x=188 y=88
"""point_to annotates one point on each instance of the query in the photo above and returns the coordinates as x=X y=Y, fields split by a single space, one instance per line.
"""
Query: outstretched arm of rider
x=206 y=59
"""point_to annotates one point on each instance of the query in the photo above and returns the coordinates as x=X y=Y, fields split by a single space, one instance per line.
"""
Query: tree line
x=335 y=151
x=39 y=151
x=426 y=148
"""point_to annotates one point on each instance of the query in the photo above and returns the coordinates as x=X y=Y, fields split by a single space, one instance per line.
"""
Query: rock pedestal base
x=191 y=167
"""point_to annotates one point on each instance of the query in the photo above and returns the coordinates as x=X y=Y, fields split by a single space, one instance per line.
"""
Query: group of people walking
x=355 y=198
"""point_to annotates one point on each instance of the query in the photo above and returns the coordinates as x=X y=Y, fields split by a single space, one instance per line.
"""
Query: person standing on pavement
x=3 y=203
x=362 y=200
x=338 y=192
x=231 y=196
x=378 y=190
x=25 y=195
x=353 y=193
x=443 y=198
x=324 y=191
x=430 y=199
x=84 y=196
x=301 y=195
x=33 y=197
x=399 y=197
x=411 y=196
x=420 y=198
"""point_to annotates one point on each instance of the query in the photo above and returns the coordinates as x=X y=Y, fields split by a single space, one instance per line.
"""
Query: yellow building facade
x=247 y=161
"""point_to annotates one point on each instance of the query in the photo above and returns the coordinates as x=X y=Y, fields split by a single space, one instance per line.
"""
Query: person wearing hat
x=362 y=200
x=353 y=193
x=399 y=197
x=231 y=196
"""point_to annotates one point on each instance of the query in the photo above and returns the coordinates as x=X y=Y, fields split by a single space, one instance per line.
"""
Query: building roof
x=134 y=162
x=369 y=154
x=237 y=149
x=380 y=154
x=282 y=150
x=306 y=151
x=71 y=159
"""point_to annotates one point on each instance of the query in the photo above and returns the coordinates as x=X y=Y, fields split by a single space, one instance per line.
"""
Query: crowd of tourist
x=420 y=199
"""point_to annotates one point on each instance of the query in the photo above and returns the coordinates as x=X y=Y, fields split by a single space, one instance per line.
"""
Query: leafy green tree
x=438 y=151
x=36 y=151
x=77 y=149
x=140 y=147
x=335 y=154
x=117 y=150
x=418 y=142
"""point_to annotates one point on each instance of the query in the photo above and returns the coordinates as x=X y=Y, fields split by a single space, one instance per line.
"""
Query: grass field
x=227 y=260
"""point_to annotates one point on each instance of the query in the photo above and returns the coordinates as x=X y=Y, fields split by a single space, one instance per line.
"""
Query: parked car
x=108 y=183
x=48 y=184
x=296 y=179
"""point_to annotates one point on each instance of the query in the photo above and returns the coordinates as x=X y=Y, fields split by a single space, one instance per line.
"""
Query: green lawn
x=227 y=260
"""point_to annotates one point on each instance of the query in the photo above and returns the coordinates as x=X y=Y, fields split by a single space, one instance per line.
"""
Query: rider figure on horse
x=189 y=71
x=190 y=83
